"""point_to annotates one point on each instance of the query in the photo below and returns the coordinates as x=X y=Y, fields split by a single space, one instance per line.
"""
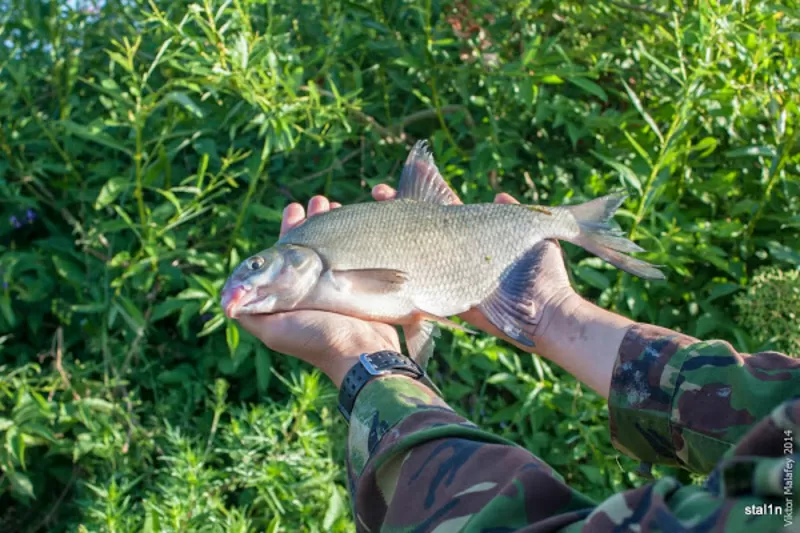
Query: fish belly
x=396 y=308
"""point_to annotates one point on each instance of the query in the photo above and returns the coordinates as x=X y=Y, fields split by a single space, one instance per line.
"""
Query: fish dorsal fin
x=421 y=179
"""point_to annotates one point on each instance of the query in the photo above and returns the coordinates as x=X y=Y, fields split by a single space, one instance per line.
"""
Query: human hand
x=553 y=293
x=329 y=341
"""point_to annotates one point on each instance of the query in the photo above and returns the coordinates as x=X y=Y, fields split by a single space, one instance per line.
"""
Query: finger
x=505 y=198
x=318 y=205
x=382 y=192
x=293 y=215
x=334 y=205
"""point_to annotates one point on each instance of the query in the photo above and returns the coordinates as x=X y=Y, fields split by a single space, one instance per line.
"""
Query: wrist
x=584 y=339
x=344 y=359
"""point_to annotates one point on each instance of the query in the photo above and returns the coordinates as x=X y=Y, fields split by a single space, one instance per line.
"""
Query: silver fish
x=420 y=258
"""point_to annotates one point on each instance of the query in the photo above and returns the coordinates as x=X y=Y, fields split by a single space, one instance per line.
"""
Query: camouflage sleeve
x=678 y=401
x=415 y=465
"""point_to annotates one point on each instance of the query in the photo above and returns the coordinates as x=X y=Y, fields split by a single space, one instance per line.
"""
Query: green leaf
x=212 y=325
x=639 y=149
x=171 y=198
x=240 y=51
x=704 y=326
x=166 y=308
x=706 y=146
x=130 y=312
x=185 y=101
x=152 y=523
x=39 y=430
x=552 y=79
x=266 y=213
x=593 y=474
x=263 y=368
x=751 y=151
x=335 y=508
x=182 y=374
x=658 y=63
x=592 y=277
x=506 y=414
x=111 y=191
x=628 y=176
x=92 y=308
x=95 y=133
x=5 y=308
x=274 y=524
x=232 y=337
x=783 y=253
x=192 y=294
x=68 y=270
x=722 y=289
x=640 y=108
x=20 y=483
x=97 y=404
x=590 y=87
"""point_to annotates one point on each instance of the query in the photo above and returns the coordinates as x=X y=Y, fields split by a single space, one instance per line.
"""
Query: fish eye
x=256 y=263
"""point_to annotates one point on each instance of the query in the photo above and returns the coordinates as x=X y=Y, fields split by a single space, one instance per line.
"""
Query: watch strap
x=370 y=366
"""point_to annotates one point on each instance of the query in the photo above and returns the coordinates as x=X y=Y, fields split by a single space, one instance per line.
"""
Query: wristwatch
x=369 y=367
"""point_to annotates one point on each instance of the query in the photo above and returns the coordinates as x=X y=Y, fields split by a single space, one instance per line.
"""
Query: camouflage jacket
x=415 y=465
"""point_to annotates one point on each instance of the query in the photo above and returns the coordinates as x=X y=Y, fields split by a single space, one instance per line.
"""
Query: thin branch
x=362 y=117
x=59 y=362
x=57 y=503
x=151 y=296
x=642 y=9
x=395 y=133
x=429 y=113
x=336 y=164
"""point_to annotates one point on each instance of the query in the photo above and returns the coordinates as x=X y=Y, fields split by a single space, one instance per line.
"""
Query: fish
x=422 y=257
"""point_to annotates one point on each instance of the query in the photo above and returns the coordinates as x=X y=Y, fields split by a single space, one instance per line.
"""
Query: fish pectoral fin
x=421 y=179
x=419 y=341
x=510 y=307
x=371 y=280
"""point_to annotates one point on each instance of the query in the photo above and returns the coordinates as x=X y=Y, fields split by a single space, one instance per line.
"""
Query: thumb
x=505 y=198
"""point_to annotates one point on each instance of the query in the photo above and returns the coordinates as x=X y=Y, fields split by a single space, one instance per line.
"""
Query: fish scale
x=423 y=256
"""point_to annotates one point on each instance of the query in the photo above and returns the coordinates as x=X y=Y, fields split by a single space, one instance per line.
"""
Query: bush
x=148 y=146
x=770 y=306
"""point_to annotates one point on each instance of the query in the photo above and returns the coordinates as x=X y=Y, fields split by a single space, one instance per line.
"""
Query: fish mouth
x=234 y=298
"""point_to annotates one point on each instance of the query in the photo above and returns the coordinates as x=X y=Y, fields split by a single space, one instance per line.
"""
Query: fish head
x=270 y=281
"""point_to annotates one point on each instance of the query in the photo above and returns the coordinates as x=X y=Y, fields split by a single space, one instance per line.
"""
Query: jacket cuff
x=643 y=389
x=380 y=406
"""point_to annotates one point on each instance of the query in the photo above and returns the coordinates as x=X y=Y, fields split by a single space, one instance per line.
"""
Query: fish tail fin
x=599 y=238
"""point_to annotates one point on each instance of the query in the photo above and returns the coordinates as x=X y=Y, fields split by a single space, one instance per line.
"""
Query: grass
x=147 y=147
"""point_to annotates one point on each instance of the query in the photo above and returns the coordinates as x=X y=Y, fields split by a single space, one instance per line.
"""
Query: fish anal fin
x=421 y=179
x=371 y=280
x=419 y=340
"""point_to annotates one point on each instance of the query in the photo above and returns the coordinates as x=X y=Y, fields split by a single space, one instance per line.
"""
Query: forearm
x=414 y=464
x=584 y=339
x=673 y=399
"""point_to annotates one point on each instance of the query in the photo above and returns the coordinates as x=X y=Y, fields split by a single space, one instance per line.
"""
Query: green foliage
x=146 y=147
x=770 y=307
